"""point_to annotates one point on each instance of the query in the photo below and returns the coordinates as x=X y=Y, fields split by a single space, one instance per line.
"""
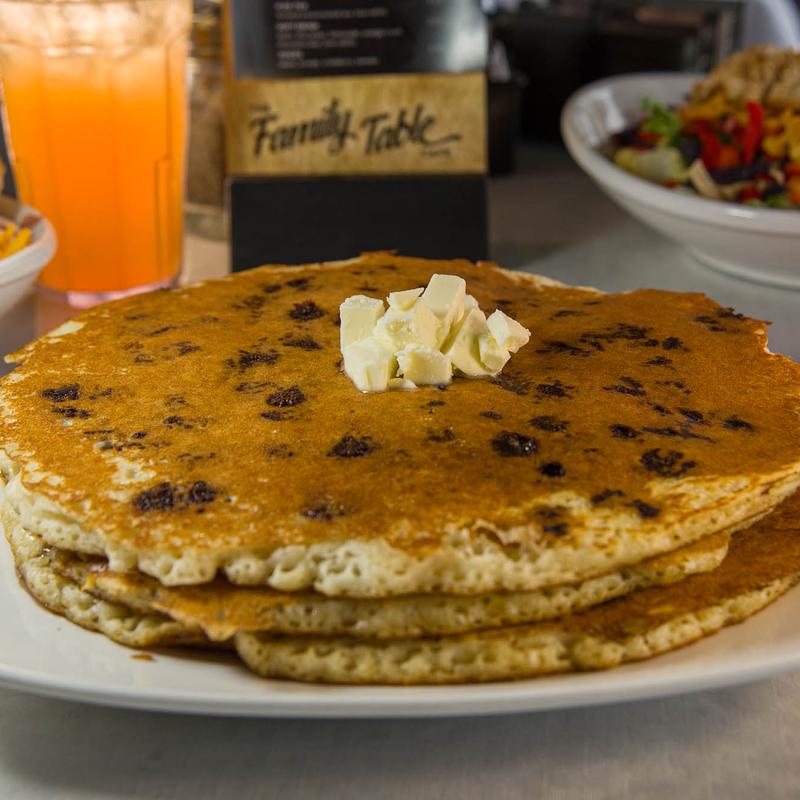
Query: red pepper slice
x=750 y=193
x=751 y=137
x=712 y=148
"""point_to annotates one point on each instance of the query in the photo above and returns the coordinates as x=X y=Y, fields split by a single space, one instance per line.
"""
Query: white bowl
x=18 y=273
x=762 y=244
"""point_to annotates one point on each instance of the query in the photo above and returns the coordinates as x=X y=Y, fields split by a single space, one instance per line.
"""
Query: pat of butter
x=444 y=295
x=419 y=325
x=402 y=301
x=423 y=337
x=462 y=346
x=358 y=314
x=424 y=365
x=493 y=356
x=369 y=365
x=508 y=332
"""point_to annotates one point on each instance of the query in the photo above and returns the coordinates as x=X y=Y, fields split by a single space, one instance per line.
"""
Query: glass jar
x=205 y=187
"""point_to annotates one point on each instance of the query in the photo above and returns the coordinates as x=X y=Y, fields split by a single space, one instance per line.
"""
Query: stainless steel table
x=734 y=743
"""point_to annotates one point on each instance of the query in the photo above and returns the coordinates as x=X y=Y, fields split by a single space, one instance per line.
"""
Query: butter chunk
x=493 y=355
x=463 y=345
x=358 y=314
x=402 y=383
x=402 y=301
x=507 y=331
x=419 y=325
x=424 y=365
x=444 y=295
x=469 y=303
x=369 y=364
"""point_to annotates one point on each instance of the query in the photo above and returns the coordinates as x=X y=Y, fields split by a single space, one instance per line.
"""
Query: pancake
x=762 y=564
x=63 y=596
x=159 y=432
x=221 y=609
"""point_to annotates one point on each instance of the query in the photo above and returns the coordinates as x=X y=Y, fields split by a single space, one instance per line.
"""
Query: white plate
x=761 y=244
x=42 y=653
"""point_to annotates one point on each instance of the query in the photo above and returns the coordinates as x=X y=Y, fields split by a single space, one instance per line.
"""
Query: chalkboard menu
x=355 y=125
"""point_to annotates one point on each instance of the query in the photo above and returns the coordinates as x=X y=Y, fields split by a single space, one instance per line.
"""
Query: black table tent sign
x=355 y=126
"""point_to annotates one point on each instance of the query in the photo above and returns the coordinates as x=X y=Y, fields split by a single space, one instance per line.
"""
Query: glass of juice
x=95 y=111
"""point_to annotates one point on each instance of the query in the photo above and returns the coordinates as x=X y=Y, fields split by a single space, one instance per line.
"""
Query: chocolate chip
x=512 y=445
x=559 y=529
x=555 y=389
x=510 y=382
x=139 y=435
x=200 y=493
x=606 y=494
x=248 y=359
x=446 y=435
x=622 y=432
x=70 y=412
x=325 y=510
x=299 y=283
x=672 y=343
x=279 y=451
x=659 y=361
x=160 y=497
x=660 y=409
x=629 y=386
x=306 y=311
x=143 y=358
x=550 y=424
x=271 y=288
x=568 y=312
x=552 y=469
x=184 y=348
x=563 y=347
x=350 y=447
x=284 y=398
x=711 y=323
x=730 y=313
x=692 y=416
x=669 y=464
x=646 y=511
x=275 y=416
x=303 y=344
x=491 y=415
x=176 y=421
x=159 y=331
x=735 y=424
x=253 y=303
x=62 y=393
x=434 y=403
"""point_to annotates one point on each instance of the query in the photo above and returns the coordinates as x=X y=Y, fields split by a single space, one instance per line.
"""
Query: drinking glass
x=95 y=110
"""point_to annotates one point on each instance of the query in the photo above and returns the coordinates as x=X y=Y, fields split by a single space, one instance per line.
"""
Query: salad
x=737 y=138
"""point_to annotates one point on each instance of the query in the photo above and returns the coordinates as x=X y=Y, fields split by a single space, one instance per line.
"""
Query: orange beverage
x=95 y=107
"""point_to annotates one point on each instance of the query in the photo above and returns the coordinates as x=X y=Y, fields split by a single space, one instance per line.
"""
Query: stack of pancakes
x=192 y=467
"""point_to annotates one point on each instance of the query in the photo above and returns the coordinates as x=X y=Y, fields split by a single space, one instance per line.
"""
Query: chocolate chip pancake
x=763 y=563
x=210 y=428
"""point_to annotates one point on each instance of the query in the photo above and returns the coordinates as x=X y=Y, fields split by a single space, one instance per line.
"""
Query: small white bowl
x=18 y=273
x=762 y=244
